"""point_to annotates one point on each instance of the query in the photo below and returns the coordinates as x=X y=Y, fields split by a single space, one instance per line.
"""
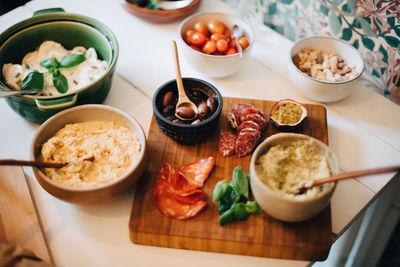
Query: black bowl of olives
x=209 y=104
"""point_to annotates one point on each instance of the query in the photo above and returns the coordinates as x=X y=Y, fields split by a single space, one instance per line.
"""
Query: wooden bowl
x=161 y=16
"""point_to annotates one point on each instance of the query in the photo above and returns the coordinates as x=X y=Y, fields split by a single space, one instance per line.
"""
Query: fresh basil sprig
x=233 y=198
x=35 y=79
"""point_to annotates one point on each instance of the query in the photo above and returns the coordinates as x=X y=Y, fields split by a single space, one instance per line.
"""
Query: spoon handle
x=352 y=174
x=38 y=164
x=19 y=92
x=178 y=71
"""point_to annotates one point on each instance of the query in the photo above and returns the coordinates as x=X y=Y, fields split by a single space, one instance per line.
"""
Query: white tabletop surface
x=364 y=132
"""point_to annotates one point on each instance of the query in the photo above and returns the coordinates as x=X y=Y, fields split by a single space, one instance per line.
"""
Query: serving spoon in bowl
x=303 y=186
x=19 y=92
x=185 y=109
x=38 y=164
x=237 y=33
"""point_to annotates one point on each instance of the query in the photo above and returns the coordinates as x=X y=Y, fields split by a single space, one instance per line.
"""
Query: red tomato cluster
x=213 y=38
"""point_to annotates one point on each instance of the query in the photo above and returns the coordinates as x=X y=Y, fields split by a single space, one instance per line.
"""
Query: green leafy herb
x=34 y=80
x=48 y=63
x=60 y=82
x=72 y=60
x=232 y=197
x=240 y=183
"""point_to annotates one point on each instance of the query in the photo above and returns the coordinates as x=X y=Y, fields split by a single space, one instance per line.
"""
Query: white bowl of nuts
x=324 y=69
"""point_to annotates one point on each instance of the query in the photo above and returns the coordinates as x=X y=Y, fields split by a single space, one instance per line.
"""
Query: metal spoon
x=183 y=100
x=346 y=175
x=237 y=33
x=38 y=164
x=173 y=4
x=19 y=92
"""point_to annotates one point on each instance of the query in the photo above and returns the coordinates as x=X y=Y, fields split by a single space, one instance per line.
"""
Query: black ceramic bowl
x=187 y=133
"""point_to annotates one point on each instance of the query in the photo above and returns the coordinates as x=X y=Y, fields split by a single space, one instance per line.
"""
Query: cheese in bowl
x=284 y=166
x=57 y=70
x=282 y=162
x=113 y=147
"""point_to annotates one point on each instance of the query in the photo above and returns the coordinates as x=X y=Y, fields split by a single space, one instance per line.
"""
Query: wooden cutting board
x=19 y=223
x=260 y=235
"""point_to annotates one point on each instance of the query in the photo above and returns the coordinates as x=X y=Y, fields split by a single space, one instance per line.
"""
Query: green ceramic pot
x=70 y=30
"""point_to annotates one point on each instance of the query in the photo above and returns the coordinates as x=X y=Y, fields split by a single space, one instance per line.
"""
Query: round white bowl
x=275 y=203
x=324 y=91
x=211 y=65
x=96 y=194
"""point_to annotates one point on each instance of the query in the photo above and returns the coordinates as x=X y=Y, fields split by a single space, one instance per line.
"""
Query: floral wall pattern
x=372 y=26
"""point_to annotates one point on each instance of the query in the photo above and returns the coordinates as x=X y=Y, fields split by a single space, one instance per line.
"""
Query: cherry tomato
x=222 y=45
x=199 y=39
x=231 y=51
x=216 y=26
x=188 y=36
x=232 y=44
x=201 y=27
x=209 y=47
x=216 y=36
x=228 y=33
x=195 y=47
x=243 y=42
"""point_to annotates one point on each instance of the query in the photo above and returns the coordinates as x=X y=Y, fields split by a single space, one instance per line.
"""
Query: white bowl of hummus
x=280 y=164
x=103 y=146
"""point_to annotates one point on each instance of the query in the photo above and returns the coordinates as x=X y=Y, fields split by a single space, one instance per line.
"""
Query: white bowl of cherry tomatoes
x=208 y=44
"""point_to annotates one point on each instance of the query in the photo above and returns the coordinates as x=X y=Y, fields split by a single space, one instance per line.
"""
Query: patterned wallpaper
x=372 y=26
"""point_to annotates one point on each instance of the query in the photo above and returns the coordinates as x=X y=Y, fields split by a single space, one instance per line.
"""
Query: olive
x=168 y=98
x=203 y=109
x=170 y=118
x=185 y=112
x=169 y=109
x=212 y=104
x=196 y=121
x=178 y=121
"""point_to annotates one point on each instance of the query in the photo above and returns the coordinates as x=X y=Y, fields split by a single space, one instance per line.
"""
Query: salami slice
x=175 y=181
x=252 y=130
x=171 y=206
x=226 y=144
x=245 y=143
x=238 y=109
x=232 y=120
x=257 y=118
x=249 y=124
x=251 y=111
x=197 y=172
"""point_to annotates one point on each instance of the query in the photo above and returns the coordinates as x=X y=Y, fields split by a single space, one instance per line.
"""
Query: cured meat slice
x=257 y=118
x=171 y=206
x=192 y=197
x=232 y=120
x=245 y=143
x=197 y=172
x=252 y=130
x=238 y=109
x=251 y=111
x=249 y=124
x=176 y=182
x=226 y=144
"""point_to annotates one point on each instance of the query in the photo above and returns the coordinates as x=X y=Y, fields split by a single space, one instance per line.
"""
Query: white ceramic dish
x=97 y=194
x=211 y=65
x=324 y=91
x=275 y=203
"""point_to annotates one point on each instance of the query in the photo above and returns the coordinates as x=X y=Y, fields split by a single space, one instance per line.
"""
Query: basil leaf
x=219 y=190
x=239 y=182
x=60 y=82
x=72 y=60
x=48 y=63
x=34 y=80
x=253 y=207
x=237 y=212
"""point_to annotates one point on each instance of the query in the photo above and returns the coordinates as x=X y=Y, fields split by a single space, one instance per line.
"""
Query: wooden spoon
x=185 y=109
x=346 y=175
x=38 y=164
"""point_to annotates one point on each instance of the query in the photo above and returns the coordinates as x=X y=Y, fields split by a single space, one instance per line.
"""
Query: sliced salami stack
x=249 y=123
x=176 y=192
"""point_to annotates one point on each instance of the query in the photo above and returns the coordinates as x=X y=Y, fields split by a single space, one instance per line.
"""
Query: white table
x=364 y=132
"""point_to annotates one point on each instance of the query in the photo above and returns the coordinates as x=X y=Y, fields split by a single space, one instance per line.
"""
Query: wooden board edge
x=229 y=247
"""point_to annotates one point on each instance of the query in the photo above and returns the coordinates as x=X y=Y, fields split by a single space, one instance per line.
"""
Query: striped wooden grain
x=260 y=235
